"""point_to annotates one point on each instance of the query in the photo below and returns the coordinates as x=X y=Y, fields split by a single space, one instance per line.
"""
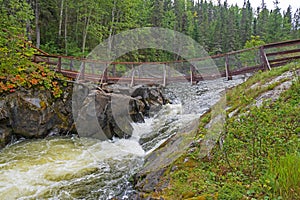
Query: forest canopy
x=72 y=27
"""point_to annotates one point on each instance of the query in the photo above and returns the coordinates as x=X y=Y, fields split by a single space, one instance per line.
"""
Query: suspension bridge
x=244 y=61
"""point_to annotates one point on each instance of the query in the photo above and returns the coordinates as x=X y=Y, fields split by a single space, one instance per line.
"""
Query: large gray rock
x=5 y=130
x=156 y=163
x=35 y=114
x=104 y=113
x=95 y=112
x=101 y=116
x=28 y=117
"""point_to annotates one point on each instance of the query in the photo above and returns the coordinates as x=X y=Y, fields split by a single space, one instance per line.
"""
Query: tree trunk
x=37 y=27
x=28 y=29
x=111 y=29
x=60 y=18
x=87 y=21
x=66 y=28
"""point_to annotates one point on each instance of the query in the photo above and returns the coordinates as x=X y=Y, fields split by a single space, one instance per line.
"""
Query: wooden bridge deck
x=233 y=63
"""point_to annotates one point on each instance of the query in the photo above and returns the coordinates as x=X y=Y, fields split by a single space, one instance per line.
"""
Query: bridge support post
x=264 y=59
x=227 y=71
x=132 y=78
x=59 y=64
x=93 y=68
x=114 y=70
x=71 y=65
x=165 y=75
x=104 y=75
x=132 y=75
x=83 y=70
x=192 y=74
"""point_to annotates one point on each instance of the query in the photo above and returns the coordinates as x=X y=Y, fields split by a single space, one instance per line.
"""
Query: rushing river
x=77 y=168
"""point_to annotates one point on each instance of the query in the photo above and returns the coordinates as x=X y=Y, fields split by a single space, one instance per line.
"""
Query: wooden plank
x=283 y=52
x=247 y=70
x=278 y=64
x=282 y=44
x=285 y=59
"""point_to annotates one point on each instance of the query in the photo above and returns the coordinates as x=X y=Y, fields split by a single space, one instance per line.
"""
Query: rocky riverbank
x=34 y=113
x=261 y=115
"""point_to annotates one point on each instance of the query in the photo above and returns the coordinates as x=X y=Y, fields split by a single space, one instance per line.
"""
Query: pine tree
x=287 y=24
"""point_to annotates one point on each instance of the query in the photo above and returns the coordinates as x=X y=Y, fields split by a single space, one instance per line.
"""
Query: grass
x=283 y=174
x=244 y=94
x=260 y=156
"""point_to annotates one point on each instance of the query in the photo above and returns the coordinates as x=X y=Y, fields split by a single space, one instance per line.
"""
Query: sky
x=283 y=4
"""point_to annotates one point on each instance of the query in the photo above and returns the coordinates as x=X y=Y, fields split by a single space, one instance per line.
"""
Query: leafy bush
x=16 y=68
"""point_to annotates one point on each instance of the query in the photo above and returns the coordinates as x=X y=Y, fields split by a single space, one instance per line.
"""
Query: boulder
x=104 y=113
x=149 y=178
x=34 y=114
x=30 y=116
x=95 y=112
x=5 y=130
x=101 y=117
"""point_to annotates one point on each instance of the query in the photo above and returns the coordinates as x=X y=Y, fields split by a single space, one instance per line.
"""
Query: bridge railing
x=233 y=63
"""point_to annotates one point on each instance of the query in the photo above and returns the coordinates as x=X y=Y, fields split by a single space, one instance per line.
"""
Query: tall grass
x=285 y=173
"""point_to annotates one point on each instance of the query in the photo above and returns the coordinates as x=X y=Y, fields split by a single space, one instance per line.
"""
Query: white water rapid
x=77 y=168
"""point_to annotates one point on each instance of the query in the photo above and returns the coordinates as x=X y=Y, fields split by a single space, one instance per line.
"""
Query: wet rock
x=148 y=178
x=149 y=182
x=5 y=130
x=152 y=98
x=104 y=113
x=39 y=120
x=34 y=114
x=93 y=111
x=5 y=133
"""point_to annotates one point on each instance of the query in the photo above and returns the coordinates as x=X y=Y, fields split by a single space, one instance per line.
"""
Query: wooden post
x=169 y=74
x=264 y=58
x=105 y=74
x=227 y=70
x=132 y=76
x=83 y=70
x=59 y=64
x=114 y=70
x=139 y=71
x=71 y=65
x=34 y=58
x=165 y=75
x=192 y=73
x=93 y=68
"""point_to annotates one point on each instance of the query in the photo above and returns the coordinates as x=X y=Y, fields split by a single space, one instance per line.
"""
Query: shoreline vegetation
x=257 y=156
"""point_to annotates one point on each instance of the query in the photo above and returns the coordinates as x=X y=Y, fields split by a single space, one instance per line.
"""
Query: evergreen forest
x=74 y=28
